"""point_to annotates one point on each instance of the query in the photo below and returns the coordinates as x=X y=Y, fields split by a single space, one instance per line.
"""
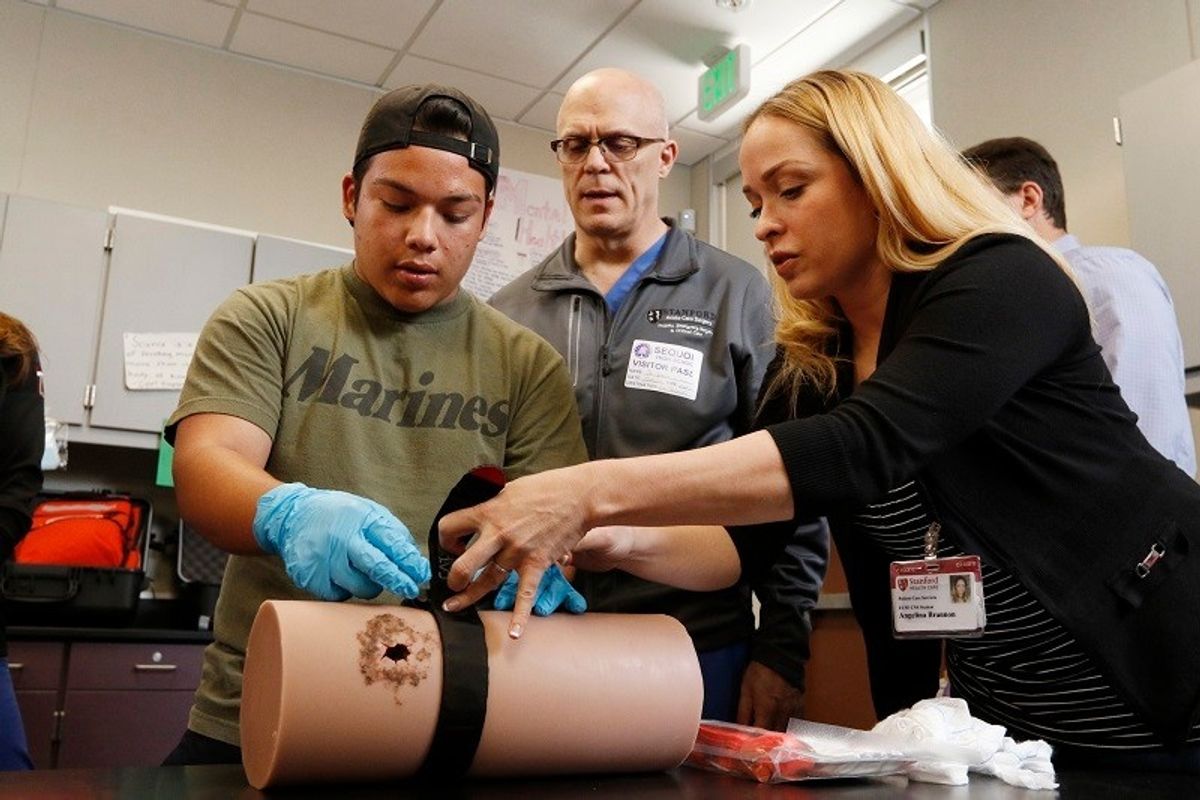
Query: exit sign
x=724 y=83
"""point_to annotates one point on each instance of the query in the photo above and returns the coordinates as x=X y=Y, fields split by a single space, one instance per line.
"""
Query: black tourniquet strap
x=464 y=648
x=464 y=694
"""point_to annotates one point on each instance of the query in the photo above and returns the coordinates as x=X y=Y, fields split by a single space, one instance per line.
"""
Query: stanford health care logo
x=903 y=584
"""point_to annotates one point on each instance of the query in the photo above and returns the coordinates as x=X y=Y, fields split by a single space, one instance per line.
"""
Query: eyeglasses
x=618 y=147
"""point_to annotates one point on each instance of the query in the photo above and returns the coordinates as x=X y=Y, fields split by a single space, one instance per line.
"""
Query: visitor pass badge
x=937 y=597
x=663 y=367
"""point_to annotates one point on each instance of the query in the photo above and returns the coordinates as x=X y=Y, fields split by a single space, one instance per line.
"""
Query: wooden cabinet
x=52 y=273
x=1160 y=126
x=126 y=704
x=838 y=688
x=82 y=278
x=276 y=257
x=37 y=669
x=104 y=704
x=165 y=276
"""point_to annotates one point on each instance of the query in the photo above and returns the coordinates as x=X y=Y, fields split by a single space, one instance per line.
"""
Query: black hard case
x=200 y=566
x=44 y=594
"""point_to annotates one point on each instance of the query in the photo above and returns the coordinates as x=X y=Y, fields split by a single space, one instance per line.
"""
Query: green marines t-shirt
x=360 y=397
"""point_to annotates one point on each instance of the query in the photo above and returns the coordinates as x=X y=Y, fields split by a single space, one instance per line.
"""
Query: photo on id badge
x=664 y=367
x=937 y=597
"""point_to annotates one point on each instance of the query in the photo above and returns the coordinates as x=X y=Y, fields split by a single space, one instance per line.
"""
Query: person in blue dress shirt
x=1134 y=318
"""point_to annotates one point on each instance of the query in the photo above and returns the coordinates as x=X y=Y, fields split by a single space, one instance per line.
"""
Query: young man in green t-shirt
x=327 y=415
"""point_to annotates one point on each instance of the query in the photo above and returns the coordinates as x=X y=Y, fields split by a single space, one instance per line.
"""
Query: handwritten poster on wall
x=157 y=360
x=529 y=221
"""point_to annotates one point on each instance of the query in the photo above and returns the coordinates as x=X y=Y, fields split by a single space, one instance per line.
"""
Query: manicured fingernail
x=452 y=604
x=514 y=632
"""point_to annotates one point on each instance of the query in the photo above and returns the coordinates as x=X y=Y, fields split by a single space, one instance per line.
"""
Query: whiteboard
x=529 y=221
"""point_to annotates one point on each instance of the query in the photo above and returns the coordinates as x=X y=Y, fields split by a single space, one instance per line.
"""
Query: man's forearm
x=218 y=490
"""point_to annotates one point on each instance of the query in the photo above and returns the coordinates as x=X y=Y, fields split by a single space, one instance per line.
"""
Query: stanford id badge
x=937 y=597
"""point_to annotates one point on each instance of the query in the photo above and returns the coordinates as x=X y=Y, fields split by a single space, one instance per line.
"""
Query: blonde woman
x=935 y=365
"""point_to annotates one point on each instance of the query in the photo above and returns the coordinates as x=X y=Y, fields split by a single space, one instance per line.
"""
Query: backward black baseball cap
x=389 y=126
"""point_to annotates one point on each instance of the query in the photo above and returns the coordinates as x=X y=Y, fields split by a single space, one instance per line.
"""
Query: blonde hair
x=928 y=201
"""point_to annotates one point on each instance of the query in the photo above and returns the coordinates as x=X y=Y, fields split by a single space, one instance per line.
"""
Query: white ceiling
x=517 y=57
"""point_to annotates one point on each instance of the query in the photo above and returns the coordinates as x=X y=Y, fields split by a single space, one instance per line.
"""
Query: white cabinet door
x=165 y=276
x=1160 y=131
x=276 y=257
x=52 y=265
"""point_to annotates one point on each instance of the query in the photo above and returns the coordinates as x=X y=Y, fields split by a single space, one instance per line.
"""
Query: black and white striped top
x=1026 y=672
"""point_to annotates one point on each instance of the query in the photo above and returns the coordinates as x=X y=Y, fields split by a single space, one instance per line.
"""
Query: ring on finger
x=501 y=569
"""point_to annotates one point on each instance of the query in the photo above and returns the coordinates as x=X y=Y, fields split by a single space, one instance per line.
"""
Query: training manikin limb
x=352 y=692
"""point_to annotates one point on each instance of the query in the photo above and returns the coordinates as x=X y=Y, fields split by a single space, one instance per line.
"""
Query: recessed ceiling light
x=734 y=5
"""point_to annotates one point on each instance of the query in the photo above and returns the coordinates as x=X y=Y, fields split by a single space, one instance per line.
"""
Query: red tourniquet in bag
x=100 y=532
x=765 y=756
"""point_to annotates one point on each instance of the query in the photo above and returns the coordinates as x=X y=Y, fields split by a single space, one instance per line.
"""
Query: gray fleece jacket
x=678 y=366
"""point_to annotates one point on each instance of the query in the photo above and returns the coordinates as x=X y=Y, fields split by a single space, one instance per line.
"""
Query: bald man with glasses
x=666 y=340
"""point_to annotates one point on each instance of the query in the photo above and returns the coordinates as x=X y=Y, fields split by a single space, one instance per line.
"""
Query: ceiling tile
x=840 y=35
x=503 y=99
x=506 y=52
x=544 y=113
x=528 y=41
x=326 y=53
x=694 y=145
x=193 y=20
x=384 y=22
x=669 y=41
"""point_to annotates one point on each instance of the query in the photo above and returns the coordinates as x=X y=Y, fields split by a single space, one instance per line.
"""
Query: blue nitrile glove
x=336 y=544
x=554 y=592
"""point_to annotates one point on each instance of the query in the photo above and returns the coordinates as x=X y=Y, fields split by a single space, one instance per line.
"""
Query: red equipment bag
x=102 y=530
x=82 y=563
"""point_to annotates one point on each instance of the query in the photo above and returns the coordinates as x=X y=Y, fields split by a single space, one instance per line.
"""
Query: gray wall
x=96 y=115
x=1053 y=70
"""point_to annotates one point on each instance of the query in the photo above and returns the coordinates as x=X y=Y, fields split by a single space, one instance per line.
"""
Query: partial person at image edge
x=22 y=441
x=1132 y=311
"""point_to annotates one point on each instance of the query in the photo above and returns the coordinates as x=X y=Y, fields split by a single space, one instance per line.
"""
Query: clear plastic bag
x=54 y=454
x=811 y=751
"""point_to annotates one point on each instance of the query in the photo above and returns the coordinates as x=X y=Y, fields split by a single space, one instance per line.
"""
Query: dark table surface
x=229 y=783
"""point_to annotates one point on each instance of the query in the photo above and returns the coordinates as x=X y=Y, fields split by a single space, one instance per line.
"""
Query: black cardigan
x=991 y=393
x=22 y=441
